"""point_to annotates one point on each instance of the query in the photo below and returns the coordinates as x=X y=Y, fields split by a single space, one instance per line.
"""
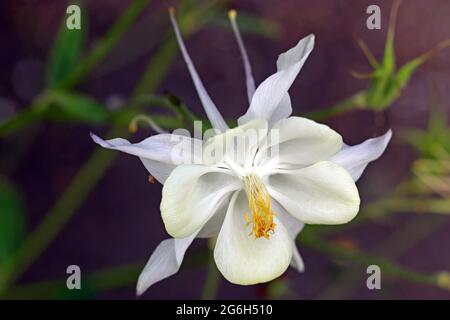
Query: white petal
x=213 y=114
x=297 y=261
x=160 y=153
x=240 y=257
x=191 y=195
x=272 y=91
x=269 y=94
x=323 y=193
x=212 y=227
x=296 y=142
x=238 y=145
x=282 y=111
x=164 y=262
x=356 y=158
x=293 y=226
x=297 y=53
x=159 y=170
x=285 y=60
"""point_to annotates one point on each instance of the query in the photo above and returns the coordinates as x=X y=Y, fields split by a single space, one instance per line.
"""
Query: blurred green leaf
x=105 y=44
x=66 y=52
x=277 y=289
x=387 y=81
x=405 y=72
x=12 y=227
x=389 y=53
x=434 y=138
x=414 y=137
x=378 y=96
x=76 y=107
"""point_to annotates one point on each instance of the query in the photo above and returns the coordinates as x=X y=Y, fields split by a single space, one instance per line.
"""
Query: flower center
x=259 y=206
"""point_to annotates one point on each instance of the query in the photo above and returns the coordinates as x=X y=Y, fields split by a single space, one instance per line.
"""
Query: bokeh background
x=111 y=230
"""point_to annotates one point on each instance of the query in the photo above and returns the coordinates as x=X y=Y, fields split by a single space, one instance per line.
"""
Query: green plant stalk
x=85 y=181
x=354 y=102
x=56 y=218
x=398 y=242
x=213 y=277
x=177 y=107
x=387 y=266
x=382 y=208
x=25 y=117
x=398 y=201
x=98 y=281
x=393 y=246
x=182 y=109
x=212 y=281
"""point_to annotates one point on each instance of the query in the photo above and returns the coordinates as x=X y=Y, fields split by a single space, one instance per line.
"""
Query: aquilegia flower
x=254 y=198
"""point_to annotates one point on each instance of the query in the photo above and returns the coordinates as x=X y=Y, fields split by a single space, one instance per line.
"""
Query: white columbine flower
x=254 y=199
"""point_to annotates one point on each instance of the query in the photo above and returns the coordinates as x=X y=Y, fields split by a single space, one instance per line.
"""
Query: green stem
x=56 y=218
x=99 y=281
x=212 y=281
x=403 y=199
x=213 y=277
x=182 y=109
x=391 y=247
x=25 y=117
x=354 y=102
x=366 y=260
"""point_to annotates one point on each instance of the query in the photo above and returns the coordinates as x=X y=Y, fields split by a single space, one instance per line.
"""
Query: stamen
x=210 y=108
x=259 y=207
x=247 y=67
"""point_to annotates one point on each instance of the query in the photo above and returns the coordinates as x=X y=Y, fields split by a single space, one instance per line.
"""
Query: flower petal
x=294 y=227
x=297 y=142
x=160 y=153
x=159 y=170
x=272 y=91
x=297 y=261
x=238 y=145
x=356 y=158
x=282 y=111
x=297 y=53
x=212 y=227
x=323 y=193
x=164 y=262
x=191 y=195
x=240 y=257
x=210 y=108
x=285 y=60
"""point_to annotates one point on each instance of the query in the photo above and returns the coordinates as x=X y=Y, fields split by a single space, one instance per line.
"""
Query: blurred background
x=63 y=201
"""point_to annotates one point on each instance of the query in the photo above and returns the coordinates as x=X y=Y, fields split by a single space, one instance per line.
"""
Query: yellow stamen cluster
x=259 y=206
